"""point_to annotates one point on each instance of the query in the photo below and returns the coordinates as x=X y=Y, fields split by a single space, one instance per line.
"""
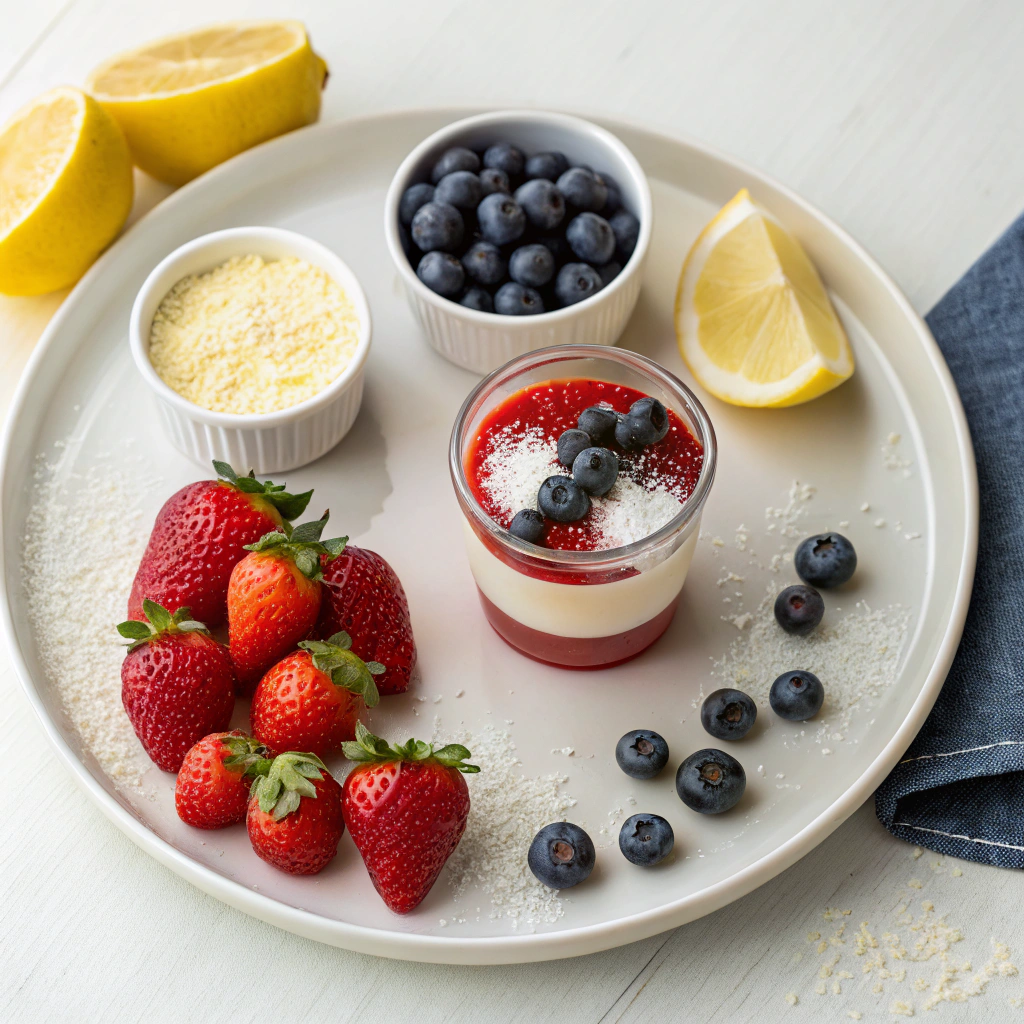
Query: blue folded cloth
x=959 y=789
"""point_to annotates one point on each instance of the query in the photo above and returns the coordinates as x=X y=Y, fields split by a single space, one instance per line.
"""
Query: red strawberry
x=364 y=597
x=274 y=597
x=294 y=819
x=200 y=534
x=213 y=782
x=177 y=683
x=406 y=808
x=312 y=699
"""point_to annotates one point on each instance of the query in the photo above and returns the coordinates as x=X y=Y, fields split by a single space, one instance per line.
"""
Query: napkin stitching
x=967 y=750
x=954 y=835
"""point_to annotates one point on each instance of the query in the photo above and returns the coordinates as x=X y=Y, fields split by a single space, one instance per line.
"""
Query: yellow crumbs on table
x=253 y=335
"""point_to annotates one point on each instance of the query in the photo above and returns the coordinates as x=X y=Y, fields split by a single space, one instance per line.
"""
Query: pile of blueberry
x=502 y=232
x=595 y=468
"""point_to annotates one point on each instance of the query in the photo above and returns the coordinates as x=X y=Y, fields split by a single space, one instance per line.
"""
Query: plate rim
x=491 y=950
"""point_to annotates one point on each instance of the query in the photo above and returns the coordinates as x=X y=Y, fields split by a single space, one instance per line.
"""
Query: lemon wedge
x=188 y=102
x=65 y=190
x=753 y=320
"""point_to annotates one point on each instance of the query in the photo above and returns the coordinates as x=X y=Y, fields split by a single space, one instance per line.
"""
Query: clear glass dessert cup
x=580 y=609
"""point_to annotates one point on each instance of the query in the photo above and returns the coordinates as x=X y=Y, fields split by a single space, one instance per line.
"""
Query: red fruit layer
x=577 y=652
x=555 y=406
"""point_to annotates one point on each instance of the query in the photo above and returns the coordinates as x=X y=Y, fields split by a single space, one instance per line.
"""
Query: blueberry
x=442 y=273
x=485 y=264
x=797 y=696
x=493 y=180
x=710 y=781
x=513 y=299
x=461 y=189
x=546 y=165
x=506 y=158
x=645 y=423
x=576 y=282
x=627 y=230
x=728 y=714
x=827 y=560
x=609 y=272
x=527 y=525
x=561 y=855
x=570 y=444
x=562 y=499
x=557 y=246
x=458 y=158
x=614 y=198
x=641 y=754
x=590 y=238
x=437 y=226
x=582 y=189
x=501 y=218
x=599 y=423
x=543 y=203
x=646 y=839
x=595 y=470
x=532 y=265
x=478 y=299
x=412 y=199
x=799 y=609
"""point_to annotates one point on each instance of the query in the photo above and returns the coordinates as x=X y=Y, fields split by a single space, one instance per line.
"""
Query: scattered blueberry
x=412 y=199
x=728 y=714
x=646 y=839
x=485 y=264
x=478 y=299
x=504 y=157
x=513 y=299
x=493 y=180
x=442 y=273
x=590 y=238
x=595 y=470
x=641 y=754
x=546 y=165
x=827 y=560
x=532 y=265
x=570 y=444
x=645 y=423
x=461 y=189
x=710 y=781
x=599 y=423
x=437 y=226
x=562 y=499
x=527 y=525
x=582 y=189
x=627 y=230
x=799 y=609
x=543 y=203
x=614 y=198
x=576 y=282
x=609 y=272
x=501 y=218
x=797 y=696
x=458 y=158
x=561 y=855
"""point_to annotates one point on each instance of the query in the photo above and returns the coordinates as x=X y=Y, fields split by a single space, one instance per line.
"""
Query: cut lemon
x=189 y=102
x=65 y=190
x=753 y=320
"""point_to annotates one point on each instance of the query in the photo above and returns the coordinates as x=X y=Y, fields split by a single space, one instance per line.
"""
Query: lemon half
x=188 y=102
x=753 y=320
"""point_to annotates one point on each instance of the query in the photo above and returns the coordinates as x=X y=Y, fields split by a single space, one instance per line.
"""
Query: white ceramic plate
x=387 y=486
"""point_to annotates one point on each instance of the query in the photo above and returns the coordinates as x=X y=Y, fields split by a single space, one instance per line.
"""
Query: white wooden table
x=902 y=120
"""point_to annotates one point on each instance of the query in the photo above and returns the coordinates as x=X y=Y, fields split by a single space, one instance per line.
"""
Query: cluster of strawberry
x=302 y=614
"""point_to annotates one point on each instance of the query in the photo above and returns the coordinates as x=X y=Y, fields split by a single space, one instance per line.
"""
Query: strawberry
x=312 y=699
x=406 y=808
x=294 y=818
x=213 y=782
x=364 y=597
x=274 y=596
x=200 y=534
x=177 y=683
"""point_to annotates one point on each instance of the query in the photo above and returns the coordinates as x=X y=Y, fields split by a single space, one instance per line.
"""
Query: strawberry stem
x=302 y=545
x=283 y=781
x=370 y=749
x=158 y=622
x=290 y=506
x=345 y=669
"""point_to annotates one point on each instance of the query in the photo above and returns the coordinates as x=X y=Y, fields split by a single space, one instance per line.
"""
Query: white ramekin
x=484 y=341
x=271 y=442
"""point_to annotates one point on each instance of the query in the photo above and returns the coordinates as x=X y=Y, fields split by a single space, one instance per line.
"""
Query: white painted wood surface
x=901 y=119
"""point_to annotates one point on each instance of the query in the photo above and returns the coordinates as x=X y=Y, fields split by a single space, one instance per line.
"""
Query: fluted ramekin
x=271 y=442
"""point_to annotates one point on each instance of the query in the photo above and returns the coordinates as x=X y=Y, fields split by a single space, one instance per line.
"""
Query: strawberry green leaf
x=134 y=630
x=281 y=787
x=290 y=506
x=302 y=545
x=245 y=753
x=344 y=668
x=158 y=622
x=369 y=749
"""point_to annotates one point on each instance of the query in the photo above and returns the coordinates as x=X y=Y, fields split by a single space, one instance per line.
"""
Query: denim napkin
x=959 y=789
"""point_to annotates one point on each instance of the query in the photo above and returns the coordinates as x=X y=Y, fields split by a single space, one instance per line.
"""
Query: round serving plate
x=388 y=488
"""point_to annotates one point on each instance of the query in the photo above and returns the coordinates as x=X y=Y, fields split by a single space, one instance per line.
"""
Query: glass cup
x=580 y=609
